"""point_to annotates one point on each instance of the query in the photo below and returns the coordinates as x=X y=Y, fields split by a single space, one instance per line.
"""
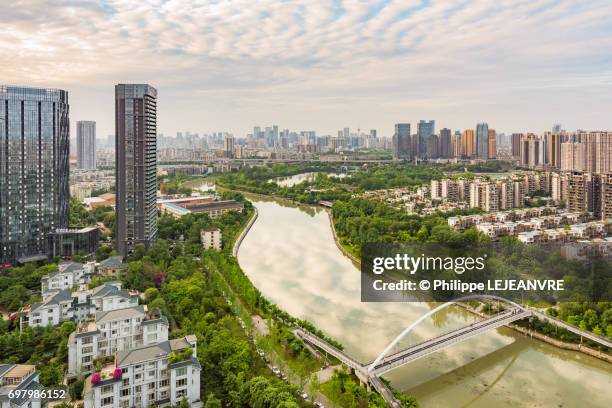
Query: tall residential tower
x=86 y=145
x=34 y=167
x=136 y=165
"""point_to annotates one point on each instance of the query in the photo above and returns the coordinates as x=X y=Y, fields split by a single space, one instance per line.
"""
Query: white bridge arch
x=433 y=311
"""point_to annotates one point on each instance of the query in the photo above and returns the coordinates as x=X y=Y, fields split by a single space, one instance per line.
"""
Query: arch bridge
x=371 y=372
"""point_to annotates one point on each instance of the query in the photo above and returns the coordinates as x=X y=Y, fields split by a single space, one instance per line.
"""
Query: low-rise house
x=18 y=377
x=155 y=375
x=111 y=331
x=113 y=266
x=530 y=237
x=68 y=275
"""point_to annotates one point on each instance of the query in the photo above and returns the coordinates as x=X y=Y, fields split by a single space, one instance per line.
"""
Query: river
x=290 y=255
x=290 y=181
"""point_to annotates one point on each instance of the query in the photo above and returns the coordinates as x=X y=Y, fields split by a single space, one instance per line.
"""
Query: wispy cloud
x=226 y=64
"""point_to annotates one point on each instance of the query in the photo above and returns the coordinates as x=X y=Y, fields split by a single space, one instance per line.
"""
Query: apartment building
x=18 y=378
x=111 y=331
x=211 y=238
x=68 y=275
x=161 y=374
x=63 y=305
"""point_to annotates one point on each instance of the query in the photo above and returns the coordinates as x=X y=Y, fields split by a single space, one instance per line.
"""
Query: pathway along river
x=290 y=255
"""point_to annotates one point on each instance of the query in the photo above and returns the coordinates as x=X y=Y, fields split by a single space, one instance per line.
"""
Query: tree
x=212 y=401
x=314 y=386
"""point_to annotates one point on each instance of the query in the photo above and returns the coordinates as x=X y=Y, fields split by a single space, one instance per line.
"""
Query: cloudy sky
x=312 y=64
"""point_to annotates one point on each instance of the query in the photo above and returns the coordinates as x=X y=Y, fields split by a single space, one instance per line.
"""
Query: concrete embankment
x=244 y=232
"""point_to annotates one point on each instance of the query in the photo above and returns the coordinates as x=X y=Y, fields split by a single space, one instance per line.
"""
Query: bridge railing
x=430 y=346
x=322 y=344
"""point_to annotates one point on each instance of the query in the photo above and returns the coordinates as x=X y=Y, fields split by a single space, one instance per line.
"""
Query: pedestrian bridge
x=430 y=346
x=370 y=373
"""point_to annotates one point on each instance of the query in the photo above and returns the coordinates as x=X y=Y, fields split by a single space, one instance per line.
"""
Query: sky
x=229 y=65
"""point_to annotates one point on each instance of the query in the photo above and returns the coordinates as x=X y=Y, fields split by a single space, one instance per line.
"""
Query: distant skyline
x=321 y=65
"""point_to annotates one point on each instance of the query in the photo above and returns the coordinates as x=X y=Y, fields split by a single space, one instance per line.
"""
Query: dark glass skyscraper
x=482 y=141
x=136 y=165
x=425 y=131
x=34 y=169
x=402 y=146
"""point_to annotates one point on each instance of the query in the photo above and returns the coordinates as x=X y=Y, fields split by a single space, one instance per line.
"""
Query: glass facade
x=136 y=165
x=34 y=169
x=86 y=145
x=68 y=242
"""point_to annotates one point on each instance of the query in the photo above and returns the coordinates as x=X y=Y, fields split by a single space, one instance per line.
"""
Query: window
x=106 y=389
x=107 y=401
x=86 y=359
x=164 y=383
x=181 y=371
x=152 y=386
x=125 y=392
x=180 y=393
x=181 y=383
x=126 y=382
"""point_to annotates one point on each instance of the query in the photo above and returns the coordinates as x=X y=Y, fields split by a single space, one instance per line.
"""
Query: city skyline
x=229 y=67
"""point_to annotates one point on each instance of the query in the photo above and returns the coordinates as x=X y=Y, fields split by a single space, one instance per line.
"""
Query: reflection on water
x=299 y=178
x=291 y=257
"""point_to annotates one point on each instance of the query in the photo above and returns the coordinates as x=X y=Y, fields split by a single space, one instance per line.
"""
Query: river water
x=290 y=255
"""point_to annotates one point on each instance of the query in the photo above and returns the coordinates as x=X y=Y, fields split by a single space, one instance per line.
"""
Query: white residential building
x=112 y=331
x=55 y=308
x=63 y=305
x=68 y=275
x=18 y=377
x=211 y=238
x=161 y=375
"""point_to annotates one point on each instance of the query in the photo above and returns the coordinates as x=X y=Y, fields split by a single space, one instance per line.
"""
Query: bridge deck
x=437 y=343
x=323 y=345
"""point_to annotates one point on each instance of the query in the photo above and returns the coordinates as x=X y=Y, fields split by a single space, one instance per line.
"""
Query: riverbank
x=244 y=232
x=547 y=339
x=344 y=251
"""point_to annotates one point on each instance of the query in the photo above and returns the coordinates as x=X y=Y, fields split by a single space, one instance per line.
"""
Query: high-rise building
x=86 y=145
x=346 y=133
x=34 y=170
x=228 y=144
x=482 y=141
x=492 y=144
x=467 y=143
x=136 y=165
x=530 y=151
x=425 y=130
x=444 y=149
x=584 y=193
x=402 y=146
x=587 y=151
x=516 y=144
x=456 y=145
x=553 y=142
x=606 y=197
